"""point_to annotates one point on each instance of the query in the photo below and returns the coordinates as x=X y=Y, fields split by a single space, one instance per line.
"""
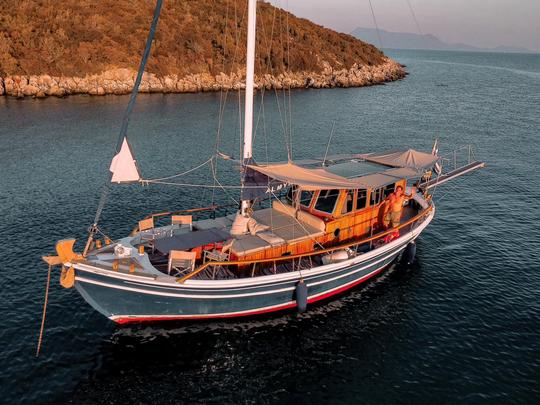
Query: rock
x=169 y=84
x=121 y=81
x=56 y=91
x=30 y=90
x=82 y=86
x=67 y=83
x=9 y=85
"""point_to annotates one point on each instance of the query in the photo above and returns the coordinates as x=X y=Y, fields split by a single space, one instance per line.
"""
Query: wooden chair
x=215 y=255
x=181 y=261
x=181 y=220
x=147 y=225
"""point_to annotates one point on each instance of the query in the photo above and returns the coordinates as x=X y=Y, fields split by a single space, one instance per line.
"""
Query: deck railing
x=369 y=239
x=157 y=215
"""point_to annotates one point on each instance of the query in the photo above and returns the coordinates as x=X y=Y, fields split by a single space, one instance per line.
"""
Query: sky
x=483 y=23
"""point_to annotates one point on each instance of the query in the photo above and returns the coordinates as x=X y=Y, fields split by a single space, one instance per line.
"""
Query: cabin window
x=361 y=199
x=389 y=189
x=375 y=196
x=327 y=201
x=305 y=198
x=289 y=195
x=349 y=201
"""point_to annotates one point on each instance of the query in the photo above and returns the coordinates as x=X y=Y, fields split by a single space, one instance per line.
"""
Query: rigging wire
x=289 y=87
x=179 y=174
x=127 y=114
x=197 y=185
x=281 y=114
x=296 y=219
x=223 y=98
x=414 y=17
x=268 y=69
x=447 y=192
x=426 y=45
x=329 y=140
x=376 y=25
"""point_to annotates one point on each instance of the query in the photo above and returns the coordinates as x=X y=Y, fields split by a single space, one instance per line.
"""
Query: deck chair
x=182 y=220
x=147 y=225
x=215 y=255
x=181 y=262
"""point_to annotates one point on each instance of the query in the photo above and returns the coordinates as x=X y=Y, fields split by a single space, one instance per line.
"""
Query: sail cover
x=409 y=158
x=123 y=166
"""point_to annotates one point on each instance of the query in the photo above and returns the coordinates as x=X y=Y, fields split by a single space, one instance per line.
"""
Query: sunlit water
x=462 y=325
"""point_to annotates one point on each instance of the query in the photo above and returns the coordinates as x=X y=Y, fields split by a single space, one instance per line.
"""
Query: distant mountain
x=407 y=40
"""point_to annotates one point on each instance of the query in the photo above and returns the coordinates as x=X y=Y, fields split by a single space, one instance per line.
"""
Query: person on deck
x=394 y=206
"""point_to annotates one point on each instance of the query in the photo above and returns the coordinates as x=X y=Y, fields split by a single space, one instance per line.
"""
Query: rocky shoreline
x=120 y=81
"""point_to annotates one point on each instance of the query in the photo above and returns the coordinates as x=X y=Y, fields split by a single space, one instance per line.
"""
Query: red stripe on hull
x=127 y=320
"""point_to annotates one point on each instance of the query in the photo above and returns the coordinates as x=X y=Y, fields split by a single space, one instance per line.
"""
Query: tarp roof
x=408 y=158
x=307 y=179
x=404 y=164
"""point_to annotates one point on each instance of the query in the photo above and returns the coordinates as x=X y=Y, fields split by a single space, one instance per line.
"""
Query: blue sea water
x=461 y=326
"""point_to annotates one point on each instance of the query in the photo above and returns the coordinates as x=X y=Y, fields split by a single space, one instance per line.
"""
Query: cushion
x=239 y=225
x=311 y=220
x=247 y=244
x=256 y=227
x=271 y=238
x=286 y=209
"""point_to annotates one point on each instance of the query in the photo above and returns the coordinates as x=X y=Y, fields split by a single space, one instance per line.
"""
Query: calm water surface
x=462 y=325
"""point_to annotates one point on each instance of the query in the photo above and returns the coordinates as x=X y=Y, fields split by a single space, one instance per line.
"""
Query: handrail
x=301 y=255
x=189 y=210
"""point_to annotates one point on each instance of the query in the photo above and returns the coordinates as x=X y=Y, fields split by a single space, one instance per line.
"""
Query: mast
x=250 y=72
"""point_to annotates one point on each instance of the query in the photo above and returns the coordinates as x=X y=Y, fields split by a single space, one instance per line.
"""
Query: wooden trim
x=322 y=214
x=317 y=252
x=145 y=224
x=189 y=210
x=182 y=219
x=52 y=260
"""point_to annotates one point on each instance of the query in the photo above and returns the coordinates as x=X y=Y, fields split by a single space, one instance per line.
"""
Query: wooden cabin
x=305 y=221
x=325 y=205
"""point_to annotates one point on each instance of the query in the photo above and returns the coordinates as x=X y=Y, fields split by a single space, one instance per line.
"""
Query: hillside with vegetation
x=197 y=41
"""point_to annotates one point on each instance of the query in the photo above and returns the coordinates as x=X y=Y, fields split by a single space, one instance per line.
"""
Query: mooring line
x=44 y=311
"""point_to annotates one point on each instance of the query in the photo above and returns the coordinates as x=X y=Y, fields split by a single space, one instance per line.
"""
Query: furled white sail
x=123 y=166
